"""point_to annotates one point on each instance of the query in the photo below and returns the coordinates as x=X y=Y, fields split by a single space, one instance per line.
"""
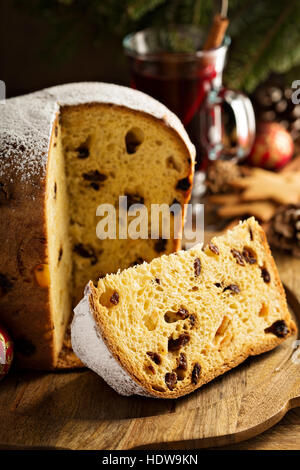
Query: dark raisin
x=265 y=275
x=218 y=284
x=234 y=288
x=251 y=234
x=197 y=267
x=86 y=251
x=238 y=256
x=55 y=190
x=171 y=316
x=160 y=245
x=196 y=373
x=192 y=320
x=213 y=248
x=183 y=313
x=184 y=184
x=155 y=357
x=82 y=151
x=151 y=368
x=94 y=176
x=182 y=362
x=24 y=346
x=175 y=344
x=5 y=284
x=279 y=328
x=60 y=254
x=114 y=298
x=249 y=256
x=95 y=186
x=171 y=380
x=157 y=280
x=134 y=199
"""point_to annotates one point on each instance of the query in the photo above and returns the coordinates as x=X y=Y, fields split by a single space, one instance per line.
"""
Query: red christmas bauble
x=6 y=352
x=273 y=146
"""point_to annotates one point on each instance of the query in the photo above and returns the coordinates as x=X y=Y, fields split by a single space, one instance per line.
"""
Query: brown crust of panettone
x=25 y=307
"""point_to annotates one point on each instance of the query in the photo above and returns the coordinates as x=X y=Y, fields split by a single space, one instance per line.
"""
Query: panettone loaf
x=168 y=327
x=63 y=152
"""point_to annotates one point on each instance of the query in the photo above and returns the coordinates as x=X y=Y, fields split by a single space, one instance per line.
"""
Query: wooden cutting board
x=77 y=410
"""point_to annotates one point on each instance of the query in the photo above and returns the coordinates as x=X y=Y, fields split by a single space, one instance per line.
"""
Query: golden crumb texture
x=183 y=319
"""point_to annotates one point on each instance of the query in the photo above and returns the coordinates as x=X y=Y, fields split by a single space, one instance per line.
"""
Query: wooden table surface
x=77 y=410
x=283 y=436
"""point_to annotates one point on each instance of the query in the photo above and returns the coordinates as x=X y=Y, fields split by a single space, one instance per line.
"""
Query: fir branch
x=256 y=44
x=249 y=66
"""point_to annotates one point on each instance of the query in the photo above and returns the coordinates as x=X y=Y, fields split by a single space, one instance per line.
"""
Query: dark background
x=49 y=42
x=28 y=63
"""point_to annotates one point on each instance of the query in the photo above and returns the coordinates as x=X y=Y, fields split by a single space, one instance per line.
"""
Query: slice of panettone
x=168 y=327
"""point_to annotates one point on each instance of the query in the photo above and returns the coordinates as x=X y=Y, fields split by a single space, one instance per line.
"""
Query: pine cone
x=284 y=230
x=220 y=174
x=272 y=102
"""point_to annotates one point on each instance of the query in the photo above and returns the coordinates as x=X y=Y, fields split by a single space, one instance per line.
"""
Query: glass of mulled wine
x=170 y=65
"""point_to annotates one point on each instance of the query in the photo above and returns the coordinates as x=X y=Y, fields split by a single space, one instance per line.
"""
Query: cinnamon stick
x=217 y=32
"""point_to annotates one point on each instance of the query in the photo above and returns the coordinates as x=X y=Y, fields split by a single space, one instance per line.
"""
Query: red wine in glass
x=190 y=85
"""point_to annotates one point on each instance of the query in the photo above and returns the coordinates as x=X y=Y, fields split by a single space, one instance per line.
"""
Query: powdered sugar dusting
x=89 y=346
x=27 y=121
x=26 y=125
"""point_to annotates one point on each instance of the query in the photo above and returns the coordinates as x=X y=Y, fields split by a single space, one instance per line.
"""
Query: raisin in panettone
x=168 y=327
x=63 y=152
